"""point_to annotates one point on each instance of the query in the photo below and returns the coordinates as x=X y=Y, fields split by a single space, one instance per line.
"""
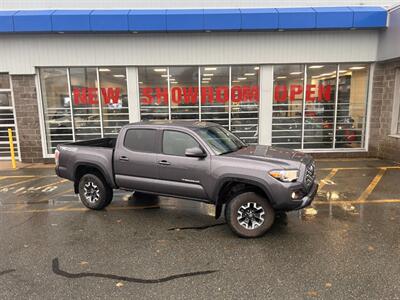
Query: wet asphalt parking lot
x=346 y=246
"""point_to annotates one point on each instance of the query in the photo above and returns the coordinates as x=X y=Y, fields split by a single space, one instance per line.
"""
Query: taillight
x=57 y=157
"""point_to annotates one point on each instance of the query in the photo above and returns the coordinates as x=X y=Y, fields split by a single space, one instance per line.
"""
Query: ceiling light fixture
x=357 y=68
x=160 y=70
x=119 y=76
x=296 y=73
x=206 y=75
x=249 y=74
x=210 y=69
x=256 y=68
x=104 y=70
x=242 y=78
x=315 y=67
x=281 y=77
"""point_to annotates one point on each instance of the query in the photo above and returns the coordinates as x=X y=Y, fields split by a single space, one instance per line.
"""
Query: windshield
x=220 y=140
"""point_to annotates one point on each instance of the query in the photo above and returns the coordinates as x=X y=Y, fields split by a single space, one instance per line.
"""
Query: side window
x=141 y=140
x=176 y=143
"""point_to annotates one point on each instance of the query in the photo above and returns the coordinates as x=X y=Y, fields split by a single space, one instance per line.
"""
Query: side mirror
x=195 y=152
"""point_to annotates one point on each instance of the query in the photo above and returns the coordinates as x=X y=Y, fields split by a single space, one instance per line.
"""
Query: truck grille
x=310 y=174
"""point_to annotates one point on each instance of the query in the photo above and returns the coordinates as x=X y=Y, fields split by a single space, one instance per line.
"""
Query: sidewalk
x=6 y=165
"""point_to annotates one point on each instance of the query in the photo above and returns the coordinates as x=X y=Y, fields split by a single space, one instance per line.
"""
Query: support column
x=133 y=94
x=27 y=114
x=265 y=107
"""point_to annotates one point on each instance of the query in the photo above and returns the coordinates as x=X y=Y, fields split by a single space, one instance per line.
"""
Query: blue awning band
x=189 y=20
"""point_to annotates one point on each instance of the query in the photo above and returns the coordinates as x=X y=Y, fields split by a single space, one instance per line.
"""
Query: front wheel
x=94 y=192
x=249 y=215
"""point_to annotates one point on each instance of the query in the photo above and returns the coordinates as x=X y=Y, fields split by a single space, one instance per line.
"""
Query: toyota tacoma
x=199 y=161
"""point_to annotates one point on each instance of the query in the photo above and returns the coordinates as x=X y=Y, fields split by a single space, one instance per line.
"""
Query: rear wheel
x=249 y=215
x=94 y=192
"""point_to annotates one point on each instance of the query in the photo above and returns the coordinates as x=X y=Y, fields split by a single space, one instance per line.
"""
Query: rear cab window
x=141 y=140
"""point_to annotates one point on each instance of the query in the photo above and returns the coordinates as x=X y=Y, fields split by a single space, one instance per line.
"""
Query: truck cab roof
x=168 y=123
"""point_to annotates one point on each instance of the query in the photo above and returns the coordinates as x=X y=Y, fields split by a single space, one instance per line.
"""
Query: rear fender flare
x=103 y=172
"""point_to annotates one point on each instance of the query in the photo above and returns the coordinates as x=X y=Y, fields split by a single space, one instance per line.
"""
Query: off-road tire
x=253 y=202
x=102 y=193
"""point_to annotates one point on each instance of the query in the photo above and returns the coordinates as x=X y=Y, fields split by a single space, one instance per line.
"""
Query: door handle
x=164 y=163
x=123 y=158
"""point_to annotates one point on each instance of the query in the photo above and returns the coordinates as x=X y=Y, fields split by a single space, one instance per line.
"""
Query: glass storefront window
x=351 y=105
x=184 y=92
x=232 y=104
x=85 y=103
x=153 y=91
x=319 y=113
x=114 y=100
x=319 y=106
x=97 y=111
x=56 y=107
x=287 y=106
x=245 y=99
x=334 y=98
x=215 y=94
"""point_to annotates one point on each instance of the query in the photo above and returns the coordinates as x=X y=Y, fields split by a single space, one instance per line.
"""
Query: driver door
x=184 y=176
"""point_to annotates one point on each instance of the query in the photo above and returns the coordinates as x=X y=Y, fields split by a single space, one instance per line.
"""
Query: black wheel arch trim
x=241 y=179
x=77 y=165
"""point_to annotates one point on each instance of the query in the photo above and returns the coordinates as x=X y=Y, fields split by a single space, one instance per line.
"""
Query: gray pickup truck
x=192 y=160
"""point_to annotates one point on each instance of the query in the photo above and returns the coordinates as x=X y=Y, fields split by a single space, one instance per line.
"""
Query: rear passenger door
x=184 y=176
x=135 y=161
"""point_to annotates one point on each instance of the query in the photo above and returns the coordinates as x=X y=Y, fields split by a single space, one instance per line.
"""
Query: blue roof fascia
x=297 y=18
x=7 y=21
x=259 y=19
x=109 y=20
x=191 y=20
x=369 y=17
x=334 y=17
x=71 y=20
x=148 y=20
x=222 y=19
x=33 y=21
x=185 y=20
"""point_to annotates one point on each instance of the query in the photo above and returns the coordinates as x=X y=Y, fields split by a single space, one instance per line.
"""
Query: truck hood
x=285 y=157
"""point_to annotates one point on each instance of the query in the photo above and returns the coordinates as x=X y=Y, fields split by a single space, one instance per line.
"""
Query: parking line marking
x=358 y=168
x=382 y=201
x=17 y=183
x=372 y=185
x=51 y=184
x=322 y=182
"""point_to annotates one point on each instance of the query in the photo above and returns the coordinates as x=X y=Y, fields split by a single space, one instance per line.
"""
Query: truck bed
x=104 y=143
x=96 y=152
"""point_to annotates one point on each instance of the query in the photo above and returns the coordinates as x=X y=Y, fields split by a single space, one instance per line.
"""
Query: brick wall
x=381 y=144
x=26 y=110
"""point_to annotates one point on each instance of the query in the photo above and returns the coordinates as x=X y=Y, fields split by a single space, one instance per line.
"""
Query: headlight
x=285 y=175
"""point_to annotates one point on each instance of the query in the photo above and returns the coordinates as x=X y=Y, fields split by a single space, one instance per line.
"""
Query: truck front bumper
x=308 y=199
x=286 y=203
